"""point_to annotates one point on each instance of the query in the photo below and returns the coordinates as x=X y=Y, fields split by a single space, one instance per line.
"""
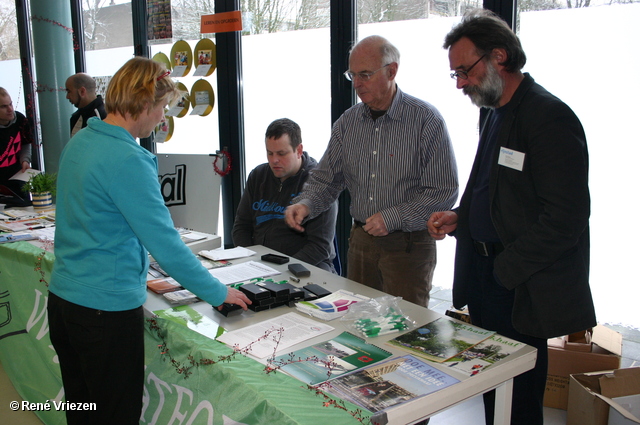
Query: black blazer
x=541 y=215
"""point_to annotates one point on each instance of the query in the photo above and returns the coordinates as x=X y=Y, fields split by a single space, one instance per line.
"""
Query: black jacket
x=87 y=112
x=541 y=215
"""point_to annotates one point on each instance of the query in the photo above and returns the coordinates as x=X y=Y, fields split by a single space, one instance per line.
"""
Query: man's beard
x=489 y=91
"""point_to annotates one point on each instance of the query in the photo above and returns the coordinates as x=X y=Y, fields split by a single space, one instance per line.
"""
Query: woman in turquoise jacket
x=109 y=215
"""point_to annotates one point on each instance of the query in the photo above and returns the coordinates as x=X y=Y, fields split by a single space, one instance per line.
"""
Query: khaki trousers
x=400 y=264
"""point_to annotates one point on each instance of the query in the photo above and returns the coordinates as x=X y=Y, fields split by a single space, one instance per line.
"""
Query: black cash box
x=316 y=289
x=277 y=290
x=228 y=310
x=257 y=308
x=255 y=292
x=295 y=293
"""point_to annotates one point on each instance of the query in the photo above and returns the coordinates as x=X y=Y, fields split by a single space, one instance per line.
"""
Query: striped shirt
x=401 y=165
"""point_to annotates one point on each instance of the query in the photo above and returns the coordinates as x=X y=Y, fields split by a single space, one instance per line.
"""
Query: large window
x=286 y=65
x=10 y=55
x=417 y=29
x=108 y=36
x=192 y=134
x=583 y=55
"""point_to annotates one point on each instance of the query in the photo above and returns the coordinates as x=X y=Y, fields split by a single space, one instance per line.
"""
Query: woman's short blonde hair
x=140 y=84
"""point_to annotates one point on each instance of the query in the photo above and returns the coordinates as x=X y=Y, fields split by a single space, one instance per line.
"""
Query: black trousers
x=490 y=307
x=101 y=356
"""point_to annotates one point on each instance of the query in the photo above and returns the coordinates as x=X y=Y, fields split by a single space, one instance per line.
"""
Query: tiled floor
x=465 y=413
x=7 y=395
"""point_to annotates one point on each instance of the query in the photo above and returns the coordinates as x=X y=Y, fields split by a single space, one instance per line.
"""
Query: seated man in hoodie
x=270 y=189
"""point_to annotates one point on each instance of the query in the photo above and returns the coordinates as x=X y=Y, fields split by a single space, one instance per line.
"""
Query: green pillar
x=53 y=52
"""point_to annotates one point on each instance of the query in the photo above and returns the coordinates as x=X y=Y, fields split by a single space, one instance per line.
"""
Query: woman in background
x=110 y=214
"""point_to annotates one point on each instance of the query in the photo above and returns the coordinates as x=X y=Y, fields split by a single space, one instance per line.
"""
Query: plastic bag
x=376 y=317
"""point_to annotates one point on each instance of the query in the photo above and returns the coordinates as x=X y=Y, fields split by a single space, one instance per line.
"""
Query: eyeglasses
x=362 y=76
x=465 y=74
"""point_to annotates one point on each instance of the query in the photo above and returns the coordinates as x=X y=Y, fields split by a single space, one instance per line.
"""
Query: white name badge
x=510 y=158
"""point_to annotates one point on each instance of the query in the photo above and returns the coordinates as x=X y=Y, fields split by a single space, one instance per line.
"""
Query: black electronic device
x=273 y=258
x=295 y=293
x=317 y=290
x=308 y=295
x=255 y=292
x=276 y=289
x=229 y=309
x=258 y=308
x=299 y=270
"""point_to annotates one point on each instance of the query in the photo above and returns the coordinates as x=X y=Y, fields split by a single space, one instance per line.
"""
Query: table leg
x=504 y=393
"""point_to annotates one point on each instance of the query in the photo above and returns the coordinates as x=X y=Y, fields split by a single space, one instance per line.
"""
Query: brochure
x=242 y=272
x=268 y=337
x=27 y=224
x=388 y=383
x=181 y=297
x=226 y=254
x=328 y=359
x=30 y=172
x=156 y=271
x=331 y=306
x=163 y=285
x=441 y=340
x=479 y=357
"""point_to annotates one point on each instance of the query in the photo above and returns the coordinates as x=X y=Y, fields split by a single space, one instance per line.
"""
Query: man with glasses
x=522 y=227
x=393 y=153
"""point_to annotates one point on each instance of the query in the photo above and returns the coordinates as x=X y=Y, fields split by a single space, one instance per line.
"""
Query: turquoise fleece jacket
x=109 y=212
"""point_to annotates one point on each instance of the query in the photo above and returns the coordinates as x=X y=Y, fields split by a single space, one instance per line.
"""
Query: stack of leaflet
x=27 y=224
x=181 y=297
x=331 y=306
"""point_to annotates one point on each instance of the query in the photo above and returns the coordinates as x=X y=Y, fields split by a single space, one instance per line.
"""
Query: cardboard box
x=628 y=413
x=591 y=394
x=579 y=353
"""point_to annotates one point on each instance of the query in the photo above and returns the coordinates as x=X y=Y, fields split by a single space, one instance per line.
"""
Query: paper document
x=242 y=272
x=25 y=176
x=46 y=233
x=19 y=213
x=227 y=254
x=295 y=329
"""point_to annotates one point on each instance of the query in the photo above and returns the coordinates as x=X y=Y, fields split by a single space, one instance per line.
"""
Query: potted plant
x=42 y=188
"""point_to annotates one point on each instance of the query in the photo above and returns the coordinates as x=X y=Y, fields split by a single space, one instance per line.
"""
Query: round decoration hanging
x=181 y=58
x=204 y=55
x=202 y=97
x=163 y=59
x=181 y=107
x=164 y=130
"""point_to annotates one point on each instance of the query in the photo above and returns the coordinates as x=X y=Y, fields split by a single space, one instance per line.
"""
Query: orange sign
x=221 y=22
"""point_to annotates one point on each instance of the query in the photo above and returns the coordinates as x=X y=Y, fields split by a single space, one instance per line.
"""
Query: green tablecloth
x=233 y=392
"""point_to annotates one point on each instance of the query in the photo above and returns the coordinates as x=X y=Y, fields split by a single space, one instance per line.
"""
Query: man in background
x=81 y=92
x=270 y=189
x=393 y=153
x=522 y=227
x=16 y=138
